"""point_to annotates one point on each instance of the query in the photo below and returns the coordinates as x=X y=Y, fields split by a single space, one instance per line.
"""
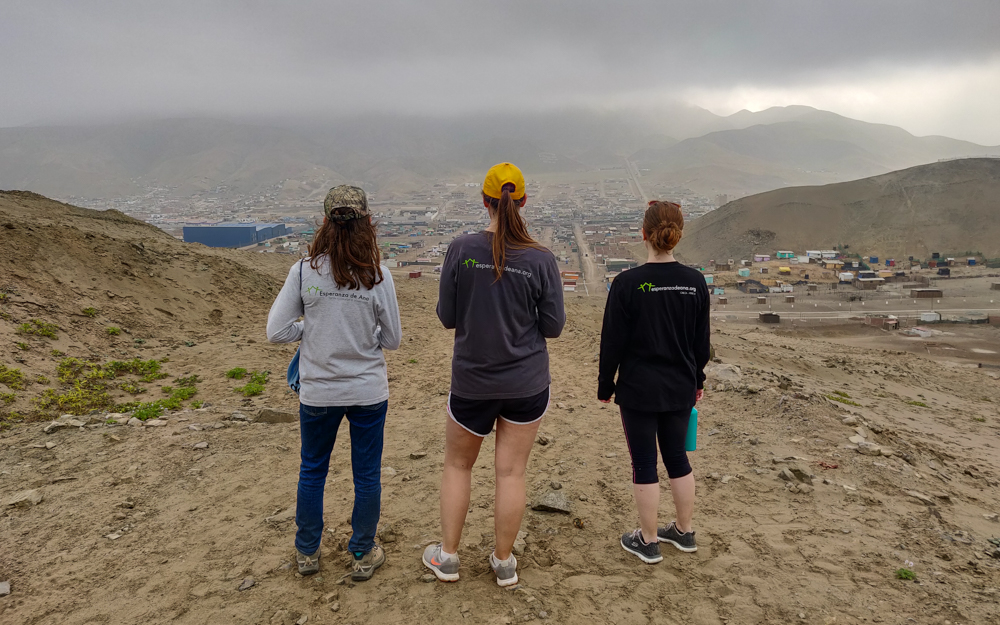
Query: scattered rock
x=388 y=534
x=134 y=421
x=611 y=455
x=194 y=427
x=388 y=472
x=888 y=453
x=427 y=579
x=724 y=373
x=302 y=620
x=561 y=405
x=555 y=485
x=920 y=497
x=335 y=606
x=270 y=415
x=544 y=439
x=201 y=445
x=800 y=474
x=113 y=536
x=52 y=427
x=712 y=432
x=26 y=499
x=582 y=497
x=519 y=543
x=786 y=475
x=49 y=445
x=247 y=584
x=417 y=455
x=802 y=488
x=869 y=449
x=285 y=515
x=238 y=416
x=991 y=517
x=552 y=501
x=849 y=420
x=543 y=614
x=4 y=589
x=330 y=596
x=155 y=423
x=857 y=440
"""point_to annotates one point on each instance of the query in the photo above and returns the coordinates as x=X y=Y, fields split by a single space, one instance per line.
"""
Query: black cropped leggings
x=643 y=429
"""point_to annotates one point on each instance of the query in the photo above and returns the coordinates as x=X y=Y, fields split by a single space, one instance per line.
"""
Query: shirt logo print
x=470 y=260
x=314 y=289
x=646 y=286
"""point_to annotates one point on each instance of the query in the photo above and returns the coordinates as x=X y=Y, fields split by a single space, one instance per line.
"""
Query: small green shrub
x=190 y=380
x=197 y=404
x=838 y=398
x=90 y=312
x=918 y=403
x=41 y=379
x=979 y=419
x=8 y=398
x=250 y=389
x=81 y=399
x=111 y=422
x=131 y=388
x=12 y=377
x=236 y=374
x=412 y=361
x=260 y=377
x=23 y=346
x=842 y=394
x=167 y=389
x=113 y=331
x=139 y=341
x=150 y=410
x=57 y=354
x=184 y=393
x=5 y=315
x=906 y=574
x=37 y=327
x=189 y=343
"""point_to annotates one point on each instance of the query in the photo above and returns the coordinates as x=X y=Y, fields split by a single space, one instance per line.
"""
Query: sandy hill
x=795 y=146
x=949 y=207
x=189 y=518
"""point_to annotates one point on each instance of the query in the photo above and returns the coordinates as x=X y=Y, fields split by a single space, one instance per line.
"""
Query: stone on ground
x=270 y=415
x=552 y=501
x=26 y=499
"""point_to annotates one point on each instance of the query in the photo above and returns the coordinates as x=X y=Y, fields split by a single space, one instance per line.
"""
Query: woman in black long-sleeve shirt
x=656 y=337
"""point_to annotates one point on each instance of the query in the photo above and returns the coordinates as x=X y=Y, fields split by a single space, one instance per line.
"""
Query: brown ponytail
x=352 y=249
x=512 y=231
x=663 y=225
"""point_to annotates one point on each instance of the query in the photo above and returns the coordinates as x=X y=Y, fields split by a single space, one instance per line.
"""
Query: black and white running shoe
x=648 y=553
x=670 y=534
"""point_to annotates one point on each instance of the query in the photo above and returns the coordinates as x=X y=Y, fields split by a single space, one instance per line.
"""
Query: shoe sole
x=359 y=576
x=441 y=575
x=678 y=545
x=503 y=583
x=642 y=557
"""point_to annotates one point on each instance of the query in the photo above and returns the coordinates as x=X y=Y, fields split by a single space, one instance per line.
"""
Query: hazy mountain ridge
x=946 y=207
x=741 y=154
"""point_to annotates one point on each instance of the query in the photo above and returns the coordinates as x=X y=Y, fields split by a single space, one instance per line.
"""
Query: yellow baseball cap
x=498 y=176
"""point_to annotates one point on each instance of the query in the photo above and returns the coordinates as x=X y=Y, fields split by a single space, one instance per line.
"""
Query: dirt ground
x=145 y=524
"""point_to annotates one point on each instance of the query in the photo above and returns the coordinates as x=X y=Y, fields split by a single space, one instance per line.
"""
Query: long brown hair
x=663 y=225
x=352 y=249
x=512 y=231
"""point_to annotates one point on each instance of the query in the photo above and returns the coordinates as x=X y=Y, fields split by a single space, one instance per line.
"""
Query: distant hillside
x=794 y=146
x=948 y=207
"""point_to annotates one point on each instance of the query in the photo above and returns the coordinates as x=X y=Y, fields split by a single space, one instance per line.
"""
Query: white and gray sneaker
x=506 y=570
x=647 y=552
x=446 y=570
x=308 y=564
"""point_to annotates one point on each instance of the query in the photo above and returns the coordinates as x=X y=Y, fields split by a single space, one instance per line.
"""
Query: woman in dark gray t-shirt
x=501 y=293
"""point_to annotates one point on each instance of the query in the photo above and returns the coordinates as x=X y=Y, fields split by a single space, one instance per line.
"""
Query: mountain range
x=674 y=146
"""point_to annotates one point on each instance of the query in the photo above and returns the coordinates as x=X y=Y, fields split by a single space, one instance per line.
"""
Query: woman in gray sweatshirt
x=349 y=315
x=501 y=293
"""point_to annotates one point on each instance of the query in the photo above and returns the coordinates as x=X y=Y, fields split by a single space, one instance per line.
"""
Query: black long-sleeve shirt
x=656 y=337
x=500 y=325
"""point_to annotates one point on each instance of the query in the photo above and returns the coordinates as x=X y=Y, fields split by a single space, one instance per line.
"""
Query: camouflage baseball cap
x=346 y=196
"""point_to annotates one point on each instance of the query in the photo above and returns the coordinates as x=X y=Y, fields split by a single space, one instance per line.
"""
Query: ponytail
x=512 y=231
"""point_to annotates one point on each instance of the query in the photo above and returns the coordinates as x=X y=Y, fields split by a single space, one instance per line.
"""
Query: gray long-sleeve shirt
x=343 y=334
x=500 y=325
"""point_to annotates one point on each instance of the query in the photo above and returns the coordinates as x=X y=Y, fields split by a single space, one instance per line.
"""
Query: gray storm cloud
x=79 y=61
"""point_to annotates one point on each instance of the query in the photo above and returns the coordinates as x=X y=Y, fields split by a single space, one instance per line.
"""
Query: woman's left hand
x=699 y=395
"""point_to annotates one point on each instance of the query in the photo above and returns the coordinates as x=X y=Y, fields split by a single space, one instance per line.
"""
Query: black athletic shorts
x=479 y=415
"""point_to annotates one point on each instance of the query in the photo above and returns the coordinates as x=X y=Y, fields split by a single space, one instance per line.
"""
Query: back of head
x=663 y=225
x=503 y=190
x=347 y=239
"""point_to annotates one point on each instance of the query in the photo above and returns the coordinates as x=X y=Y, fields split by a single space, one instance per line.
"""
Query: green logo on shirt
x=314 y=289
x=646 y=286
x=470 y=260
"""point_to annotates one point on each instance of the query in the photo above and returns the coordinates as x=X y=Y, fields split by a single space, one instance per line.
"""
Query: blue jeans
x=318 y=427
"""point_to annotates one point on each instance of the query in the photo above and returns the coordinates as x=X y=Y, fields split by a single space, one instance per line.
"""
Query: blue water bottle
x=691 y=443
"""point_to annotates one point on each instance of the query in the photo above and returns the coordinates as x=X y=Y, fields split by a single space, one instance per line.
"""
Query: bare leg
x=647 y=499
x=682 y=490
x=460 y=452
x=513 y=449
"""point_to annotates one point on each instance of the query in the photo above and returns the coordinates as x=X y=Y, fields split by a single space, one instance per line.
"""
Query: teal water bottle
x=691 y=443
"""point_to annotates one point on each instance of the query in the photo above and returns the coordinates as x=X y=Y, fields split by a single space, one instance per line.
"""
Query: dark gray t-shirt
x=500 y=325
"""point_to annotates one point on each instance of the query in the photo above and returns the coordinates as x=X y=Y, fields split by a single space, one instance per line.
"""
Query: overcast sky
x=930 y=66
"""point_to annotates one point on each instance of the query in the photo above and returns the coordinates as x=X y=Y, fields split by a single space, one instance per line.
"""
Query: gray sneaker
x=647 y=552
x=307 y=564
x=364 y=567
x=446 y=570
x=670 y=534
x=506 y=572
